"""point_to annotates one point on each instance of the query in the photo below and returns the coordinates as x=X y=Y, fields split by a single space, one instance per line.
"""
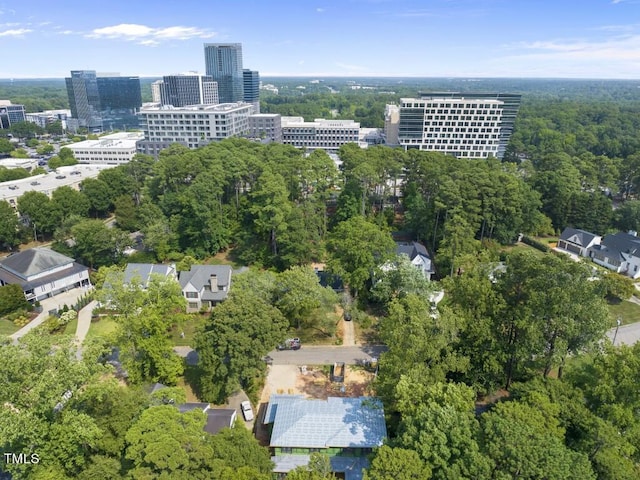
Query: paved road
x=627 y=334
x=326 y=355
x=309 y=355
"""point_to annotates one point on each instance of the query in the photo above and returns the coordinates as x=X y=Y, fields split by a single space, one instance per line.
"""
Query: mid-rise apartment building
x=466 y=125
x=319 y=134
x=266 y=126
x=42 y=119
x=193 y=126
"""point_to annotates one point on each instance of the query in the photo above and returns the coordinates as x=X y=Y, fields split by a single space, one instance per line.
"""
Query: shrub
x=535 y=244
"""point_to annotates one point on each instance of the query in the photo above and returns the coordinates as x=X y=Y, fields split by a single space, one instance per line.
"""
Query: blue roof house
x=346 y=429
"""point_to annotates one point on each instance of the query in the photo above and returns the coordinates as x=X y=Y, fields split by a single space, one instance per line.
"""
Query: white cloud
x=149 y=36
x=320 y=10
x=16 y=32
x=612 y=57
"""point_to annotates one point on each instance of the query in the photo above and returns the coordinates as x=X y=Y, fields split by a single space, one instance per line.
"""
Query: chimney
x=213 y=281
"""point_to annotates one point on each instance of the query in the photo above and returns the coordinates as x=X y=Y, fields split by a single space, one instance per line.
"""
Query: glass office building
x=223 y=62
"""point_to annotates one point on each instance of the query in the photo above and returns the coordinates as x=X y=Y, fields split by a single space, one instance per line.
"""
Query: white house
x=42 y=273
x=619 y=252
x=204 y=286
x=143 y=272
x=418 y=255
x=578 y=241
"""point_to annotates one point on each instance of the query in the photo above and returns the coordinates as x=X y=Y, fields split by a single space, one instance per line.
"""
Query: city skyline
x=349 y=38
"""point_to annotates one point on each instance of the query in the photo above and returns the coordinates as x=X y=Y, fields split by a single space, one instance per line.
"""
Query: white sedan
x=247 y=412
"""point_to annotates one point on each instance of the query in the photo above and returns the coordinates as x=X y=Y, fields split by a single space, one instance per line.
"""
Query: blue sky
x=422 y=38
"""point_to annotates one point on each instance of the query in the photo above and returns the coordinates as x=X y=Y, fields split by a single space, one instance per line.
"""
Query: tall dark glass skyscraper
x=120 y=100
x=252 y=88
x=84 y=100
x=223 y=62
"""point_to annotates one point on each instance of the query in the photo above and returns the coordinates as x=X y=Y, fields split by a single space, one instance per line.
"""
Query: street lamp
x=615 y=335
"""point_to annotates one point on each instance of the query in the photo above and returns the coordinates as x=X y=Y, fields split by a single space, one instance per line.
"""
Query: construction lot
x=315 y=382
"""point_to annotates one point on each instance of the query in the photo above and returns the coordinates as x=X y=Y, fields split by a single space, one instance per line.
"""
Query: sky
x=317 y=38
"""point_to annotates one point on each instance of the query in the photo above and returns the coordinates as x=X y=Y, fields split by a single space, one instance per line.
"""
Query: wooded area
x=508 y=378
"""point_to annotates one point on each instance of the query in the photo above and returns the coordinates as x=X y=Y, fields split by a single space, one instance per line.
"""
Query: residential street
x=309 y=355
x=627 y=334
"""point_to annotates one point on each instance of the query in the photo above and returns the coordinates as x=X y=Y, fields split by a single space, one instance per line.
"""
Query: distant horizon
x=413 y=77
x=542 y=39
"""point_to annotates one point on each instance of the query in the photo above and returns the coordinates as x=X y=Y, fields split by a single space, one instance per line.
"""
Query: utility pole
x=615 y=335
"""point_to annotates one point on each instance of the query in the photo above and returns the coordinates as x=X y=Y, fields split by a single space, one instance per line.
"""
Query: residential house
x=143 y=272
x=418 y=255
x=619 y=252
x=217 y=418
x=345 y=429
x=42 y=273
x=578 y=241
x=204 y=286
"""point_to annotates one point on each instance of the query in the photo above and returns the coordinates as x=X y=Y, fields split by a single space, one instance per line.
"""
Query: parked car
x=247 y=411
x=290 y=344
x=346 y=315
x=60 y=177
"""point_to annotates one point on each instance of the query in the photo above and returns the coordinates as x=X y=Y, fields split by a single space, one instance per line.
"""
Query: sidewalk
x=54 y=303
x=84 y=321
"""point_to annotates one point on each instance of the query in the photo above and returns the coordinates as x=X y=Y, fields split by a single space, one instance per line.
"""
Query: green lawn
x=7 y=327
x=189 y=327
x=71 y=327
x=103 y=327
x=627 y=311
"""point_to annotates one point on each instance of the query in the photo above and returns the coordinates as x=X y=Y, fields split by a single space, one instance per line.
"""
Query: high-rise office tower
x=252 y=88
x=84 y=100
x=156 y=88
x=188 y=89
x=224 y=63
x=467 y=125
x=120 y=101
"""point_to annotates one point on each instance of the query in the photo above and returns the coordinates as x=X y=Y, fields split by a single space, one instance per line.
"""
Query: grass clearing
x=102 y=328
x=628 y=312
x=71 y=327
x=7 y=327
x=190 y=326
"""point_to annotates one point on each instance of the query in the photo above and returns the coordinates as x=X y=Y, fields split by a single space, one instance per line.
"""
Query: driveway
x=68 y=298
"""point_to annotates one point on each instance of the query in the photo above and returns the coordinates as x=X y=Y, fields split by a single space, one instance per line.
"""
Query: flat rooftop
x=115 y=140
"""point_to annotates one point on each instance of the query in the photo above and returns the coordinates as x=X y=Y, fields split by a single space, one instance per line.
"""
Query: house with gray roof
x=42 y=273
x=204 y=286
x=619 y=252
x=143 y=272
x=578 y=241
x=418 y=255
x=345 y=429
